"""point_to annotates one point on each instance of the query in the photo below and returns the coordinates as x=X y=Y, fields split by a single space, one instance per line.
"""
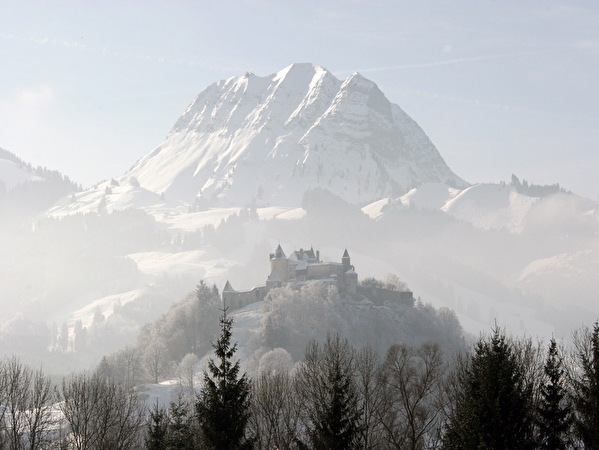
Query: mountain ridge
x=266 y=140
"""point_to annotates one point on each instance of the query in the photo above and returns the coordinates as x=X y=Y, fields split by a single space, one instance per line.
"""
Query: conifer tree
x=180 y=432
x=156 y=439
x=493 y=408
x=330 y=393
x=586 y=389
x=555 y=418
x=223 y=406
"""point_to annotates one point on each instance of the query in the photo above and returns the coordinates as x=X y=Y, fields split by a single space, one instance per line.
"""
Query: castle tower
x=228 y=288
x=278 y=268
x=228 y=295
x=345 y=260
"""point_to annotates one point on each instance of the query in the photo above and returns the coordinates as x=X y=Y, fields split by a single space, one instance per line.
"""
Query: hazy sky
x=88 y=87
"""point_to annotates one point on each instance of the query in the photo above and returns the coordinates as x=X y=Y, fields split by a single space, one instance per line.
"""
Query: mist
x=78 y=287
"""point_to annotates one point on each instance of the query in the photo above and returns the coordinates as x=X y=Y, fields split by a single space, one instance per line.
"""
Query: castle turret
x=228 y=288
x=345 y=260
x=278 y=268
x=228 y=295
x=279 y=253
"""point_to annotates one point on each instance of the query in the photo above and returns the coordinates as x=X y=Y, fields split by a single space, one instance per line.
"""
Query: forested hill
x=26 y=190
x=276 y=331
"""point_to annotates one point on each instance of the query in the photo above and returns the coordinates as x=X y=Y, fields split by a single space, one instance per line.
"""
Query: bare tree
x=101 y=414
x=186 y=376
x=275 y=418
x=370 y=391
x=3 y=408
x=126 y=367
x=155 y=360
x=411 y=412
x=38 y=416
x=26 y=406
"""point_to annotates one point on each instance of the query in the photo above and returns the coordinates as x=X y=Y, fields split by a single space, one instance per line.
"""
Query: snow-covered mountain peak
x=299 y=72
x=268 y=139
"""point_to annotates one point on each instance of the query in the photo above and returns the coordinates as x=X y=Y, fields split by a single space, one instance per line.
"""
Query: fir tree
x=329 y=388
x=586 y=390
x=554 y=413
x=224 y=403
x=493 y=408
x=156 y=438
x=180 y=432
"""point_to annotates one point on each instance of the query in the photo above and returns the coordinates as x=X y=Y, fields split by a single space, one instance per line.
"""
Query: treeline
x=535 y=190
x=85 y=411
x=32 y=196
x=291 y=317
x=504 y=393
x=166 y=346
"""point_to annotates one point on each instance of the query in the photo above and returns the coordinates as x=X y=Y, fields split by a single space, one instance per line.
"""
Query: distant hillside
x=281 y=326
x=26 y=190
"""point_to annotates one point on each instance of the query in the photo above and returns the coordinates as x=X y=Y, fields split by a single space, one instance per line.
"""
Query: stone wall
x=378 y=296
x=235 y=300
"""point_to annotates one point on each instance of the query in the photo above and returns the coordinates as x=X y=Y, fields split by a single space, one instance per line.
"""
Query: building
x=302 y=266
x=305 y=266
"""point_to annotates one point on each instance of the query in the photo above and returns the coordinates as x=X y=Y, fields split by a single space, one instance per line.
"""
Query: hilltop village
x=305 y=266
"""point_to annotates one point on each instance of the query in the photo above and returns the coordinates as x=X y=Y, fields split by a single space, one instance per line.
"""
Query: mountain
x=26 y=190
x=13 y=171
x=495 y=206
x=266 y=140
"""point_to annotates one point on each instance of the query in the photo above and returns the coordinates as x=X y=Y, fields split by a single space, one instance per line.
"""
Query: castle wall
x=239 y=299
x=323 y=270
x=351 y=282
x=380 y=295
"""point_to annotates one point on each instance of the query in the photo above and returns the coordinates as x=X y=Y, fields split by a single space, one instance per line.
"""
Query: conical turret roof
x=279 y=253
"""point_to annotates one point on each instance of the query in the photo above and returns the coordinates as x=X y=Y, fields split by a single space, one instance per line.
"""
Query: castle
x=304 y=266
x=300 y=267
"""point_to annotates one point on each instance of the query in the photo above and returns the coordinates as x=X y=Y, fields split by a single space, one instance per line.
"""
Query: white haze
x=83 y=271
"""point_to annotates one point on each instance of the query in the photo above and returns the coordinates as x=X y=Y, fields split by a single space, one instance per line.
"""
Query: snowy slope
x=268 y=139
x=566 y=277
x=497 y=206
x=490 y=206
x=113 y=197
x=13 y=172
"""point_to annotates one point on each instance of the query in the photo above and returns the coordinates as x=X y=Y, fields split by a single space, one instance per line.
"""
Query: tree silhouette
x=157 y=429
x=586 y=388
x=493 y=408
x=224 y=403
x=555 y=417
x=330 y=393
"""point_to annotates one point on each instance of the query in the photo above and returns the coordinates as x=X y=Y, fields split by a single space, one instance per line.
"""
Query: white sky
x=88 y=87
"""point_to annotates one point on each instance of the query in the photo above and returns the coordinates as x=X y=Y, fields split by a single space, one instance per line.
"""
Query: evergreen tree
x=224 y=403
x=493 y=404
x=156 y=439
x=586 y=389
x=180 y=431
x=554 y=420
x=331 y=398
